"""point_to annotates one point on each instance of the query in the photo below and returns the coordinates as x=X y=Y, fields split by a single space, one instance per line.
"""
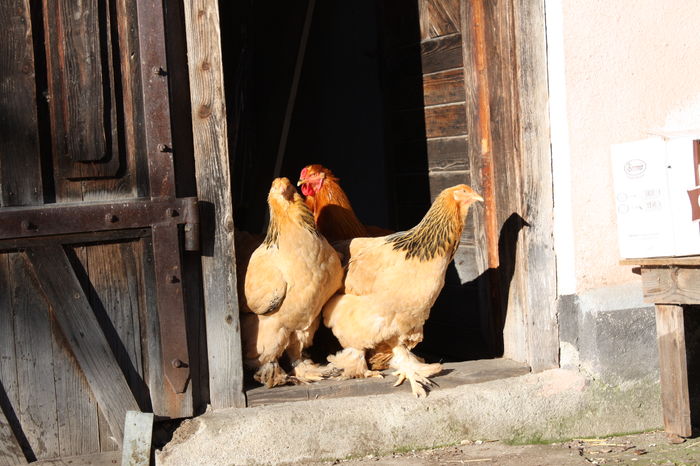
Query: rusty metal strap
x=63 y=219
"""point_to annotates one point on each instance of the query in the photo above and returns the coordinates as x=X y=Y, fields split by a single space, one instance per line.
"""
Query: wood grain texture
x=81 y=91
x=443 y=53
x=36 y=409
x=78 y=428
x=20 y=172
x=10 y=451
x=671 y=285
x=455 y=374
x=537 y=186
x=438 y=17
x=9 y=394
x=213 y=189
x=83 y=334
x=682 y=260
x=442 y=87
x=105 y=458
x=673 y=369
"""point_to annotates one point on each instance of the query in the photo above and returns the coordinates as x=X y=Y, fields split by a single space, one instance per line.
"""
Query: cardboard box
x=657 y=196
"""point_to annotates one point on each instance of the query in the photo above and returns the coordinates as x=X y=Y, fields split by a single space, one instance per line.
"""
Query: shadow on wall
x=488 y=292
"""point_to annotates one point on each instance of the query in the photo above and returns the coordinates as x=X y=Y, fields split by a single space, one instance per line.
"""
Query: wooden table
x=668 y=283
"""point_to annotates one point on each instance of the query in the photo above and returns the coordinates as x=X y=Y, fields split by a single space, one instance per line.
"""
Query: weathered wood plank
x=78 y=429
x=443 y=87
x=434 y=155
x=138 y=431
x=9 y=394
x=36 y=409
x=490 y=319
x=455 y=374
x=213 y=188
x=431 y=122
x=84 y=334
x=671 y=285
x=681 y=260
x=10 y=451
x=537 y=185
x=20 y=165
x=443 y=53
x=438 y=18
x=80 y=87
x=108 y=458
x=673 y=369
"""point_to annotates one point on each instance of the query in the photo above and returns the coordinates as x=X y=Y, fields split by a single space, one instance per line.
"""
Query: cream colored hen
x=391 y=284
x=287 y=280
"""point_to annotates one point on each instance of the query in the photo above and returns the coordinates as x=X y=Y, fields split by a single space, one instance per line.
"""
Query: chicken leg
x=353 y=364
x=408 y=366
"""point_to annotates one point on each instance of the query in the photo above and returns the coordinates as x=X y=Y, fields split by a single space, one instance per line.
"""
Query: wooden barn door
x=92 y=310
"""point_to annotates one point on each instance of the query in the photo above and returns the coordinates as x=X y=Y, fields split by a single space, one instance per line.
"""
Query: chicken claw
x=420 y=386
x=271 y=374
x=306 y=371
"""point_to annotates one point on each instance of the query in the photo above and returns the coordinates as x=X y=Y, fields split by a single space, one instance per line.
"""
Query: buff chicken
x=391 y=284
x=287 y=280
x=331 y=207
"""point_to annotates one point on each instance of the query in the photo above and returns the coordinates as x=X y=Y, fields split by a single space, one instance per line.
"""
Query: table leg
x=673 y=369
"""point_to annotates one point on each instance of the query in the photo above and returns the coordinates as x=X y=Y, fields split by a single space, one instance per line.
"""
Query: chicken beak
x=300 y=182
x=478 y=198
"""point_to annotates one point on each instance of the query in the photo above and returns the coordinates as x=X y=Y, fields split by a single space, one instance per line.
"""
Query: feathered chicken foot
x=306 y=371
x=352 y=363
x=271 y=374
x=409 y=367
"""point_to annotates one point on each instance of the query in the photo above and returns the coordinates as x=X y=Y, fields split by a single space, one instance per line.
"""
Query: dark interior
x=345 y=117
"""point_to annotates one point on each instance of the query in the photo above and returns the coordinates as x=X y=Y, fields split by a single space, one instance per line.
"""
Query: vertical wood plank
x=20 y=165
x=83 y=333
x=36 y=409
x=538 y=260
x=213 y=188
x=78 y=430
x=673 y=369
x=138 y=431
x=10 y=451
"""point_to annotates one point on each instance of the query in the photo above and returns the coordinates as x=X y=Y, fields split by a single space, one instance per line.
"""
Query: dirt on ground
x=650 y=448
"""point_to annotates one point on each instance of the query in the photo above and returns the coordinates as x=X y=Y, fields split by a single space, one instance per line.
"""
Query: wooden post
x=138 y=432
x=670 y=336
x=214 y=193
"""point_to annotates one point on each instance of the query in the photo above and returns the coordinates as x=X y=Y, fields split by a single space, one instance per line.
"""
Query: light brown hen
x=287 y=280
x=391 y=284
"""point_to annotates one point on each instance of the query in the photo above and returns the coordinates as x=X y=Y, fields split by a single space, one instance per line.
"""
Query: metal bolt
x=27 y=225
x=159 y=71
x=170 y=212
x=173 y=279
x=111 y=218
x=164 y=148
x=177 y=363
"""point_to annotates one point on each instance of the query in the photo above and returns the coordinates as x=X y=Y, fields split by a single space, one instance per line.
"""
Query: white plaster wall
x=623 y=68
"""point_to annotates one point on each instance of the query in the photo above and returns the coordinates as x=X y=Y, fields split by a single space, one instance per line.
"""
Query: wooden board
x=84 y=335
x=106 y=458
x=671 y=285
x=138 y=431
x=438 y=17
x=10 y=451
x=455 y=374
x=537 y=185
x=36 y=408
x=20 y=174
x=679 y=260
x=213 y=188
x=673 y=369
